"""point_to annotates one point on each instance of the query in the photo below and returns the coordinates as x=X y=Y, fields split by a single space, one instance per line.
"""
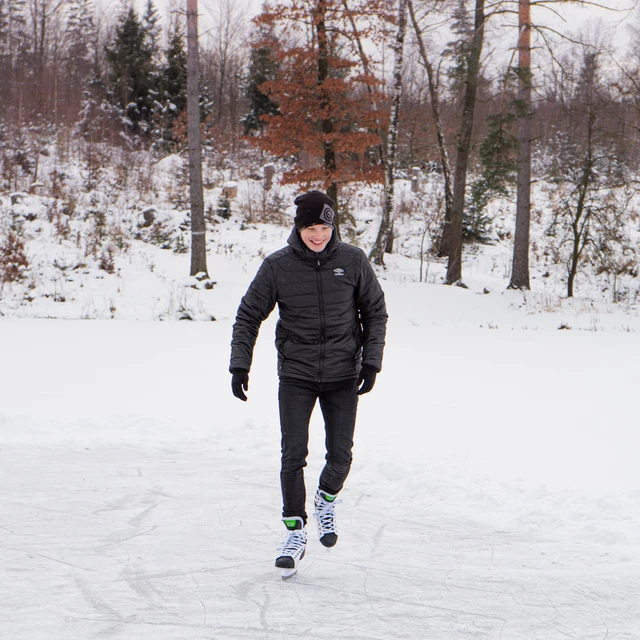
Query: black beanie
x=314 y=207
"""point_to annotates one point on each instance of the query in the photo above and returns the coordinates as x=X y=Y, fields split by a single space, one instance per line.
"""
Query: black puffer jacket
x=332 y=312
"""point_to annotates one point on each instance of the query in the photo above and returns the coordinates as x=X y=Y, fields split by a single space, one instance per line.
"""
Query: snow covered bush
x=13 y=259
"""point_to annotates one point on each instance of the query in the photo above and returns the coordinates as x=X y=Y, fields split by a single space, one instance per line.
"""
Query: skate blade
x=289 y=573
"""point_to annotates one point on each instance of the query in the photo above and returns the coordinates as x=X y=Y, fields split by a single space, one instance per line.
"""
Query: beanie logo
x=327 y=216
x=338 y=272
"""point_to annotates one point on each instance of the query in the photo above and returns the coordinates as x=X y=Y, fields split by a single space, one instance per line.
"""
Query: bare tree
x=385 y=233
x=13 y=54
x=463 y=145
x=46 y=34
x=434 y=95
x=222 y=71
x=520 y=266
x=198 y=239
x=592 y=199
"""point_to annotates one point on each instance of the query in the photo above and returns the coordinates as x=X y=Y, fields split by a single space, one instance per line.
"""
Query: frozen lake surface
x=495 y=492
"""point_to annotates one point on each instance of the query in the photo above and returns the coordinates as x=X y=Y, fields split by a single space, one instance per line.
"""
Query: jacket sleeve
x=373 y=315
x=254 y=308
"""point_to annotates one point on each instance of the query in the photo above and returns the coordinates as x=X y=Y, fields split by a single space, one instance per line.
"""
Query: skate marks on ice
x=91 y=547
x=120 y=543
x=469 y=584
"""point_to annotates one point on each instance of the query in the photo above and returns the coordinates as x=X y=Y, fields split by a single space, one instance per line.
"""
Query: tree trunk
x=578 y=228
x=385 y=233
x=443 y=245
x=580 y=223
x=198 y=239
x=454 y=266
x=520 y=268
x=330 y=184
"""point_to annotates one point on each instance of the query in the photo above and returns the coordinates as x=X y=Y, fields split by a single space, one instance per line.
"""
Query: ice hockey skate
x=325 y=515
x=293 y=548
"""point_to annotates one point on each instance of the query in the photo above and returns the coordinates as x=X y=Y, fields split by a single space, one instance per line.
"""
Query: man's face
x=316 y=236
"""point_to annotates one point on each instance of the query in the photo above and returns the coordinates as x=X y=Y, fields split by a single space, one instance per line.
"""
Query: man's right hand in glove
x=240 y=381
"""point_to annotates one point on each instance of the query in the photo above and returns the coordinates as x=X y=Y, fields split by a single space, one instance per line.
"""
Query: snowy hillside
x=116 y=246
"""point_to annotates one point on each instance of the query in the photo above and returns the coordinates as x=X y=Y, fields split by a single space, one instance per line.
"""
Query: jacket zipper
x=322 y=324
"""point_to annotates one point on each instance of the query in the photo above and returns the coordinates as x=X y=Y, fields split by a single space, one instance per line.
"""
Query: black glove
x=367 y=379
x=240 y=381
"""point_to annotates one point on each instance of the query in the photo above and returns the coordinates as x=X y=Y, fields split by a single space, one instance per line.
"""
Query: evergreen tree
x=173 y=85
x=81 y=40
x=4 y=28
x=498 y=158
x=262 y=68
x=152 y=31
x=151 y=27
x=175 y=73
x=95 y=110
x=13 y=44
x=130 y=56
x=458 y=49
x=5 y=60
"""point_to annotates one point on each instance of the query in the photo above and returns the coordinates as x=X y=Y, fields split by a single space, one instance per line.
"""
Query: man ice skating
x=330 y=339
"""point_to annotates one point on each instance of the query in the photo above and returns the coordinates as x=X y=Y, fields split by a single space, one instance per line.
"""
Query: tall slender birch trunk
x=198 y=239
x=520 y=266
x=443 y=248
x=385 y=232
x=454 y=265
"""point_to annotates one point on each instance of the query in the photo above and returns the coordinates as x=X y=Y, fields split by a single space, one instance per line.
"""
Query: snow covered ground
x=495 y=492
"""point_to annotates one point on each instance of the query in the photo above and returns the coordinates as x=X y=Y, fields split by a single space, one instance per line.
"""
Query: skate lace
x=294 y=543
x=325 y=515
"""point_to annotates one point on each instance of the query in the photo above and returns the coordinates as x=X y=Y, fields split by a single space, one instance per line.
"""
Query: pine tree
x=81 y=42
x=5 y=60
x=262 y=68
x=80 y=35
x=4 y=28
x=459 y=49
x=152 y=31
x=498 y=159
x=13 y=47
x=175 y=72
x=173 y=86
x=130 y=56
x=151 y=27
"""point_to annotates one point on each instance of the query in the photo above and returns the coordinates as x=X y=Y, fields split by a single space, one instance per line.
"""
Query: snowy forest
x=484 y=154
x=454 y=125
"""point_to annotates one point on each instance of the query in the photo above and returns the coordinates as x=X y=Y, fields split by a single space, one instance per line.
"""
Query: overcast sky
x=567 y=17
x=576 y=19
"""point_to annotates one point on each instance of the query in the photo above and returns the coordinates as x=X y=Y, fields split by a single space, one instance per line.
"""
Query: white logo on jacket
x=338 y=272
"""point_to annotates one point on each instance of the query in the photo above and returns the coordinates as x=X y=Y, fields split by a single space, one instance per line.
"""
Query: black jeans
x=339 y=403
